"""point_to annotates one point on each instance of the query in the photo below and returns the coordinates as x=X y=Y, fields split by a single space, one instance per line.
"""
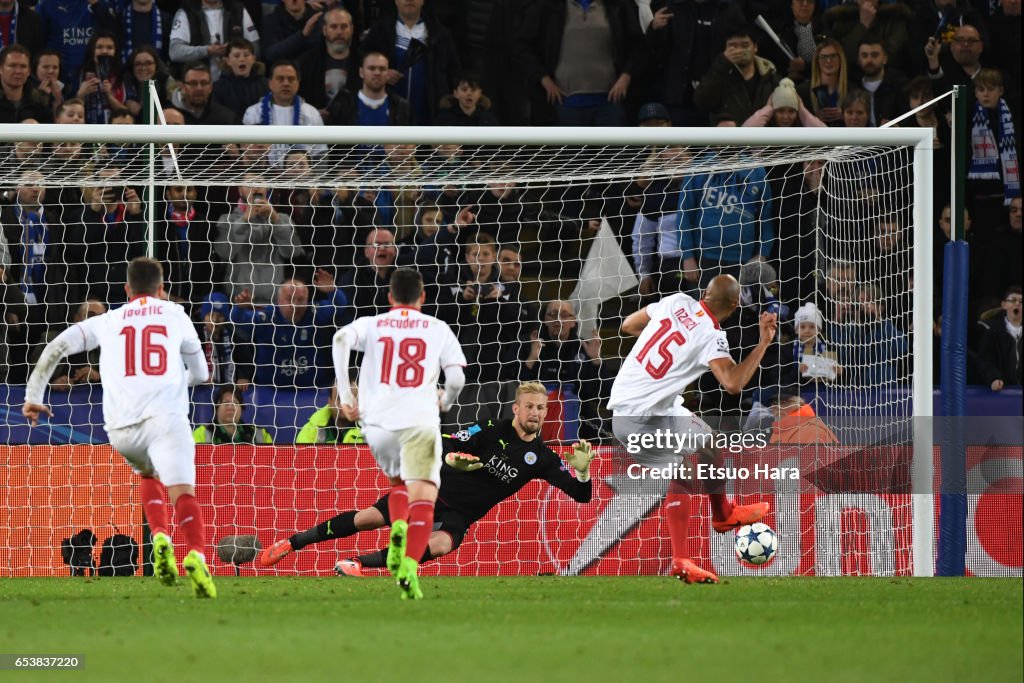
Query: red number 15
x=661 y=369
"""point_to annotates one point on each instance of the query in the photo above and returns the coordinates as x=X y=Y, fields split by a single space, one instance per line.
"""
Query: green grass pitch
x=521 y=629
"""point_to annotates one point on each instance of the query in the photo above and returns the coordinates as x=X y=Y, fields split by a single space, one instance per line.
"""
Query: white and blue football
x=756 y=543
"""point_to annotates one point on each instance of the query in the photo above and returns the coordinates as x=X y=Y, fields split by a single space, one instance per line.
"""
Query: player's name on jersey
x=148 y=309
x=708 y=471
x=403 y=323
x=687 y=442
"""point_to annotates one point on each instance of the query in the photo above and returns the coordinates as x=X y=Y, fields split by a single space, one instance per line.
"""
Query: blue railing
x=78 y=415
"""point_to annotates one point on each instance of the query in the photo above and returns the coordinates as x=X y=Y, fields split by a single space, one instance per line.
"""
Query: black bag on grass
x=77 y=553
x=119 y=556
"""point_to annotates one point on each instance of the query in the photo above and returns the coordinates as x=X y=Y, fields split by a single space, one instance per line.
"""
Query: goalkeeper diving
x=483 y=466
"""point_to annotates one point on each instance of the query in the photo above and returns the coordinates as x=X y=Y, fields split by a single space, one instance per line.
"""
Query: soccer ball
x=756 y=544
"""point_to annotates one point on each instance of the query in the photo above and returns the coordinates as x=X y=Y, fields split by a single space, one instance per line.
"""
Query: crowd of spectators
x=268 y=272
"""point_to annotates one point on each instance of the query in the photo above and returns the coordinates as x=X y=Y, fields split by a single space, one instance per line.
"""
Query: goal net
x=534 y=245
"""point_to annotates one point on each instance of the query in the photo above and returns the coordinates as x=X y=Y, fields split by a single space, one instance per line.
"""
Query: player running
x=404 y=352
x=679 y=340
x=483 y=467
x=149 y=355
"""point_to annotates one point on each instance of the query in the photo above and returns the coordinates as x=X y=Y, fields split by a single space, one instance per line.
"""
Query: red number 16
x=154 y=355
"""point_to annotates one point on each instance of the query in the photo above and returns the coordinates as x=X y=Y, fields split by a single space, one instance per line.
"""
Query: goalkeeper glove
x=582 y=454
x=464 y=462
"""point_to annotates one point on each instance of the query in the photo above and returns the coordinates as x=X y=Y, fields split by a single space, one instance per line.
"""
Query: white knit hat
x=785 y=95
x=808 y=313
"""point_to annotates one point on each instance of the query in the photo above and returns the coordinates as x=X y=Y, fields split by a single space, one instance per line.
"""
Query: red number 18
x=412 y=352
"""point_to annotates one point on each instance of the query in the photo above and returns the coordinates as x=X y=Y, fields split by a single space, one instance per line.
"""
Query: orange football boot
x=740 y=515
x=351 y=567
x=275 y=553
x=685 y=570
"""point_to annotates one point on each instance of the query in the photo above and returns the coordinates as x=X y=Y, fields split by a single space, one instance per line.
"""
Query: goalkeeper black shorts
x=446 y=519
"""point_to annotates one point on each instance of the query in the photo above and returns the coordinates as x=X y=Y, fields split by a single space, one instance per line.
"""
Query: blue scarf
x=798 y=349
x=115 y=217
x=96 y=108
x=384 y=205
x=265 y=110
x=988 y=152
x=219 y=357
x=35 y=236
x=181 y=220
x=13 y=33
x=158 y=30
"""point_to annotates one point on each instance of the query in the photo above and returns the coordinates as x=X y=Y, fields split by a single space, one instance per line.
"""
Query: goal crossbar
x=919 y=138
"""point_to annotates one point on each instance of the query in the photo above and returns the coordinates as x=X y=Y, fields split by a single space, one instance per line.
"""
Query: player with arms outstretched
x=404 y=352
x=150 y=355
x=484 y=465
x=679 y=339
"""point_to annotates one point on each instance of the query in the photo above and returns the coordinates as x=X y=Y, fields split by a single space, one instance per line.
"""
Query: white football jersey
x=404 y=351
x=675 y=348
x=142 y=347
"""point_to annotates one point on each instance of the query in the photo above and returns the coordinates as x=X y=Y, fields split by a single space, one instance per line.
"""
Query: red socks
x=398 y=503
x=721 y=506
x=421 y=523
x=154 y=504
x=186 y=510
x=190 y=522
x=677 y=516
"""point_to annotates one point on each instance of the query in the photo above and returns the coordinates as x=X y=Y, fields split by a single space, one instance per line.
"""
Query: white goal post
x=543 y=158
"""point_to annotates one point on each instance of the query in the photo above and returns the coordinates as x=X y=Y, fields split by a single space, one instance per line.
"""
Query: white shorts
x=630 y=431
x=414 y=453
x=160 y=446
